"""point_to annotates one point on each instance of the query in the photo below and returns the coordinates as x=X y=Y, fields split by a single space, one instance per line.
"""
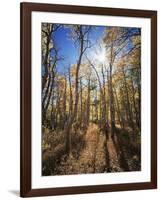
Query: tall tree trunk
x=102 y=120
x=57 y=111
x=112 y=109
x=46 y=91
x=64 y=104
x=104 y=98
x=118 y=108
x=45 y=63
x=71 y=95
x=49 y=95
x=88 y=103
x=81 y=102
x=134 y=103
x=139 y=91
x=96 y=106
x=128 y=102
x=47 y=52
x=52 y=113
x=76 y=95
x=125 y=116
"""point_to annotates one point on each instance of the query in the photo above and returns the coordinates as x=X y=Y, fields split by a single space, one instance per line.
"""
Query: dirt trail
x=114 y=160
x=88 y=156
x=93 y=158
x=97 y=155
x=101 y=163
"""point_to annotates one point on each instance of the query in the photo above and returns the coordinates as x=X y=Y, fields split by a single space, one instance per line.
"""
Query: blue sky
x=66 y=45
x=68 y=50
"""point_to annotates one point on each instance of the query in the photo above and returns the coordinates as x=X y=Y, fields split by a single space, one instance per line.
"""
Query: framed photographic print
x=88 y=99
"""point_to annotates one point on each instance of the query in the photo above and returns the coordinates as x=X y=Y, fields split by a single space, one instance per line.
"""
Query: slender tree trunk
x=45 y=63
x=102 y=120
x=118 y=107
x=139 y=101
x=104 y=99
x=57 y=110
x=123 y=107
x=49 y=95
x=128 y=102
x=96 y=107
x=112 y=109
x=81 y=103
x=50 y=92
x=134 y=103
x=88 y=104
x=46 y=91
x=76 y=95
x=71 y=95
x=52 y=113
x=64 y=104
x=46 y=56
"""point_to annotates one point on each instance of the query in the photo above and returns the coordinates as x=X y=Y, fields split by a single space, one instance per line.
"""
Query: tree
x=117 y=41
x=50 y=58
x=47 y=43
x=80 y=35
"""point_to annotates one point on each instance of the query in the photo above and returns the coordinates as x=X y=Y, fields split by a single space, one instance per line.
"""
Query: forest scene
x=91 y=99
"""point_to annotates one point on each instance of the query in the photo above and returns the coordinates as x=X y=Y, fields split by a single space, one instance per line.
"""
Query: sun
x=101 y=57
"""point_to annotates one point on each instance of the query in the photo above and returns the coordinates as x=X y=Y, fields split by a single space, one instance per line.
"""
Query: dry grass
x=91 y=152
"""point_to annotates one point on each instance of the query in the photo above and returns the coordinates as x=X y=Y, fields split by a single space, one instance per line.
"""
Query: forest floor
x=100 y=155
x=91 y=158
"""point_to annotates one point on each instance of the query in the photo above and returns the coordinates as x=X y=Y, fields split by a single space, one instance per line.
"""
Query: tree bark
x=112 y=109
x=118 y=108
x=88 y=104
x=76 y=95
x=127 y=101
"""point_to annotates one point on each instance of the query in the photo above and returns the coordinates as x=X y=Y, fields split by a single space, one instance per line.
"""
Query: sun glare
x=101 y=56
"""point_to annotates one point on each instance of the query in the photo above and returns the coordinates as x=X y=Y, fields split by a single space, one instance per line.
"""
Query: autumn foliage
x=91 y=109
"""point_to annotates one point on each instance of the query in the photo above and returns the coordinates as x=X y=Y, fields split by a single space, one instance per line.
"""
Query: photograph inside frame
x=91 y=99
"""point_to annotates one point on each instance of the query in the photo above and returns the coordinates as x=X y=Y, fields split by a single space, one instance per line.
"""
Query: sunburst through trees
x=91 y=99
